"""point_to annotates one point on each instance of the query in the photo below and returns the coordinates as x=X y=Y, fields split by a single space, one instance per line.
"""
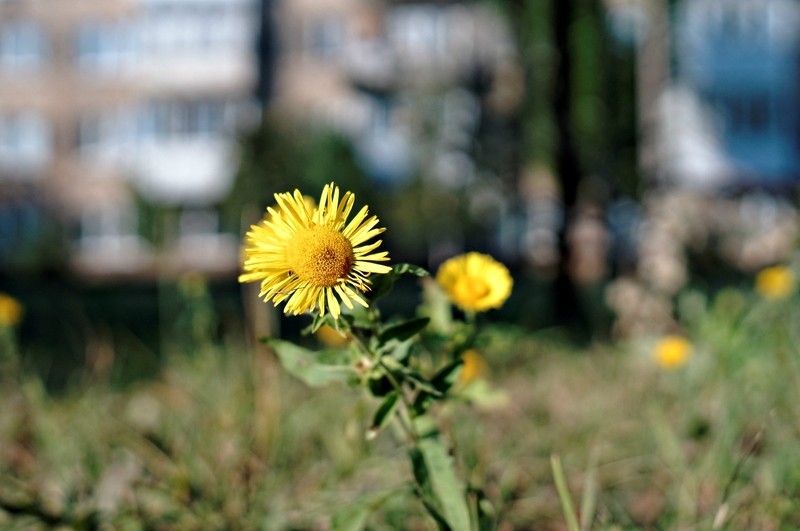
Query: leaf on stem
x=384 y=414
x=383 y=284
x=441 y=382
x=403 y=330
x=435 y=473
x=314 y=368
x=354 y=517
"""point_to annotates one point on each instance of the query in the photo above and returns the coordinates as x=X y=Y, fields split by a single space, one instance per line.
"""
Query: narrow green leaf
x=383 y=284
x=441 y=382
x=589 y=497
x=424 y=490
x=403 y=330
x=422 y=384
x=402 y=351
x=447 y=376
x=354 y=517
x=563 y=493
x=445 y=485
x=409 y=269
x=313 y=368
x=318 y=322
x=384 y=414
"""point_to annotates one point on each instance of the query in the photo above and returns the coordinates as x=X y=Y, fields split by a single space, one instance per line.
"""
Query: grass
x=224 y=439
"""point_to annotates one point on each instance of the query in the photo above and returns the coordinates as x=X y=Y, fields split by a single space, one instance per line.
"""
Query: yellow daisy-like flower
x=672 y=352
x=475 y=282
x=777 y=282
x=313 y=257
x=10 y=311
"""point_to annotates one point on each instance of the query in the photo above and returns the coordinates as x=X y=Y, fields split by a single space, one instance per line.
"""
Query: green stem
x=406 y=423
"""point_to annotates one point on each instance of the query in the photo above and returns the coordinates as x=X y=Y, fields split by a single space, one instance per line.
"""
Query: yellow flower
x=777 y=282
x=475 y=282
x=672 y=352
x=474 y=367
x=10 y=311
x=313 y=257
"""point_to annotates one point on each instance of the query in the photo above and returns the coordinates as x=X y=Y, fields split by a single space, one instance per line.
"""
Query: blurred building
x=105 y=105
x=364 y=69
x=410 y=83
x=730 y=116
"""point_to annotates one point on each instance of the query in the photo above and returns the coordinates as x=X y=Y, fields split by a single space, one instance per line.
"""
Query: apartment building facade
x=102 y=103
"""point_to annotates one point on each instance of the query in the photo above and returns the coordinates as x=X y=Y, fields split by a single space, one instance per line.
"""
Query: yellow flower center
x=320 y=255
x=471 y=289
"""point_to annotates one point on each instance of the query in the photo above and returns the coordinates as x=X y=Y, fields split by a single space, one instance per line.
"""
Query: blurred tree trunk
x=567 y=166
x=565 y=117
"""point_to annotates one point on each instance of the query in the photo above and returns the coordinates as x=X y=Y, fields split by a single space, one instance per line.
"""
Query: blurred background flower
x=475 y=282
x=672 y=352
x=10 y=311
x=776 y=282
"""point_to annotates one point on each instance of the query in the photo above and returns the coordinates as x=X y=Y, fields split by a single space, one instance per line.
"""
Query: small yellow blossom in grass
x=474 y=367
x=10 y=311
x=330 y=337
x=475 y=282
x=777 y=282
x=313 y=257
x=672 y=352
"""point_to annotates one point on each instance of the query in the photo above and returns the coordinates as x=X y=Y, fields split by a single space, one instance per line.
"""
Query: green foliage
x=383 y=360
x=313 y=368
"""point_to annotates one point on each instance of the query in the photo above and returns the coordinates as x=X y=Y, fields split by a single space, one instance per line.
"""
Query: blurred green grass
x=224 y=439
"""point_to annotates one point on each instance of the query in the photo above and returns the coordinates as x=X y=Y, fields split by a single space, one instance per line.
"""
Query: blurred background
x=610 y=152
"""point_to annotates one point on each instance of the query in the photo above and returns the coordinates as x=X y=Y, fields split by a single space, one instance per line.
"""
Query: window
x=104 y=46
x=22 y=46
x=24 y=141
x=171 y=27
x=106 y=133
x=184 y=119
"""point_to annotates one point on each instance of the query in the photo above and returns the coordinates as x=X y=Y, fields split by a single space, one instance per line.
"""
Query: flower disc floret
x=310 y=256
x=475 y=282
x=320 y=256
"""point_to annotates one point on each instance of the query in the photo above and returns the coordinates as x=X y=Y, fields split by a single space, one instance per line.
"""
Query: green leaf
x=313 y=368
x=318 y=322
x=446 y=487
x=384 y=414
x=354 y=517
x=403 y=330
x=400 y=352
x=447 y=376
x=383 y=284
x=441 y=382
x=563 y=493
x=409 y=269
x=422 y=384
